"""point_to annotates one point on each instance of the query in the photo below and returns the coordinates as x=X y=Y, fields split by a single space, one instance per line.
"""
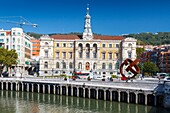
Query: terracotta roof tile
x=73 y=37
x=108 y=37
x=65 y=37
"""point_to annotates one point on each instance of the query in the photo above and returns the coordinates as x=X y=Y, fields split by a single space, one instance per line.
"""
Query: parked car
x=75 y=76
x=162 y=76
x=167 y=78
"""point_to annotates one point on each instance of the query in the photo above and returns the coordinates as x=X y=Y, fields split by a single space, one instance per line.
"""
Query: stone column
x=97 y=94
x=2 y=85
x=136 y=94
x=84 y=92
x=77 y=91
x=12 y=86
x=104 y=94
x=58 y=90
x=32 y=87
x=48 y=89
x=128 y=99
x=155 y=100
x=118 y=95
x=110 y=95
x=67 y=90
x=38 y=85
x=6 y=85
x=16 y=86
x=146 y=98
x=89 y=92
x=61 y=90
x=22 y=86
x=43 y=88
x=72 y=91
x=27 y=87
x=54 y=89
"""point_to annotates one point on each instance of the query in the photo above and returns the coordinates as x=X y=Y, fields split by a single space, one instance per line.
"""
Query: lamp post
x=62 y=66
x=52 y=72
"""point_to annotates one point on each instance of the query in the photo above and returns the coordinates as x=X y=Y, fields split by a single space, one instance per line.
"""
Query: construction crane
x=21 y=21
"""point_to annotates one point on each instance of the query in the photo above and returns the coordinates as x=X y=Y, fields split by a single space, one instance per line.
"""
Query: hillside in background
x=159 y=38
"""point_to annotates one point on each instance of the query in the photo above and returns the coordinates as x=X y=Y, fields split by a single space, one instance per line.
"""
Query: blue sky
x=109 y=17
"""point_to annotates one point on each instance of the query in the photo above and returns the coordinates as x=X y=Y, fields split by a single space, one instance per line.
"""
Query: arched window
x=110 y=65
x=46 y=43
x=94 y=50
x=117 y=65
x=80 y=50
x=103 y=66
x=45 y=64
x=80 y=65
x=57 y=65
x=94 y=66
x=64 y=65
x=87 y=50
x=129 y=54
x=70 y=65
x=46 y=53
x=130 y=45
x=87 y=66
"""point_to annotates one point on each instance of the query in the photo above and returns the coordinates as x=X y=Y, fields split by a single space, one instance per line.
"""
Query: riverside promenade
x=147 y=92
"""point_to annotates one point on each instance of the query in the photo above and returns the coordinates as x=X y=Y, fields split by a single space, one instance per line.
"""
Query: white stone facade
x=46 y=55
x=18 y=40
x=128 y=47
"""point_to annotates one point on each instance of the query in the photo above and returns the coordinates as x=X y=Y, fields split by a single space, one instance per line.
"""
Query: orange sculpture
x=132 y=67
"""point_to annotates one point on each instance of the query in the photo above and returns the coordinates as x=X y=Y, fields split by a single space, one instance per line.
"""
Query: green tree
x=7 y=58
x=139 y=51
x=150 y=68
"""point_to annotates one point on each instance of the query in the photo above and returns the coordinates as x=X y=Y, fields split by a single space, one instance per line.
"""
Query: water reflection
x=23 y=102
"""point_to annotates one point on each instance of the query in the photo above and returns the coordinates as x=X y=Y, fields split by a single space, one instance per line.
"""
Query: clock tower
x=87 y=34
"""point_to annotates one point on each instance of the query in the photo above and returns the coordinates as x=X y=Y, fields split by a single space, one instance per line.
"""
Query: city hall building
x=84 y=54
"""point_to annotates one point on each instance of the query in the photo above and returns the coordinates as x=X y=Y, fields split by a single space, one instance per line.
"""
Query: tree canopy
x=148 y=67
x=7 y=58
x=139 y=51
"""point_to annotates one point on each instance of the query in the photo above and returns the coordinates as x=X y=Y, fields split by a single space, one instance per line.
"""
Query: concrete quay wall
x=137 y=93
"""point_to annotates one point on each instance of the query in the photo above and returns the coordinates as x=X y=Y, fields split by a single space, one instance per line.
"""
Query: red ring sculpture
x=129 y=68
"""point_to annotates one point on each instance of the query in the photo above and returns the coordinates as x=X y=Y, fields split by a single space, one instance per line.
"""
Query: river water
x=23 y=102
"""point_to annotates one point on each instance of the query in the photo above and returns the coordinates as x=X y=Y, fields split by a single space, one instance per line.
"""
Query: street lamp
x=62 y=66
x=52 y=72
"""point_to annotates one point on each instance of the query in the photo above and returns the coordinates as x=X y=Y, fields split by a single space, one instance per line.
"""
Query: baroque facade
x=86 y=53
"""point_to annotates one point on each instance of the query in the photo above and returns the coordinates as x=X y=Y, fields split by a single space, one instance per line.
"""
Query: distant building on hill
x=160 y=55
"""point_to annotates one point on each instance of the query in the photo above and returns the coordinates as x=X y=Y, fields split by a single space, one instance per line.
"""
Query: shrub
x=114 y=76
x=63 y=75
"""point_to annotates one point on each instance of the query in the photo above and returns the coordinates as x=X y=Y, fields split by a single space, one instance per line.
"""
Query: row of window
x=58 y=54
x=13 y=47
x=13 y=40
x=64 y=45
x=14 y=33
x=71 y=45
x=81 y=55
x=110 y=45
x=87 y=66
